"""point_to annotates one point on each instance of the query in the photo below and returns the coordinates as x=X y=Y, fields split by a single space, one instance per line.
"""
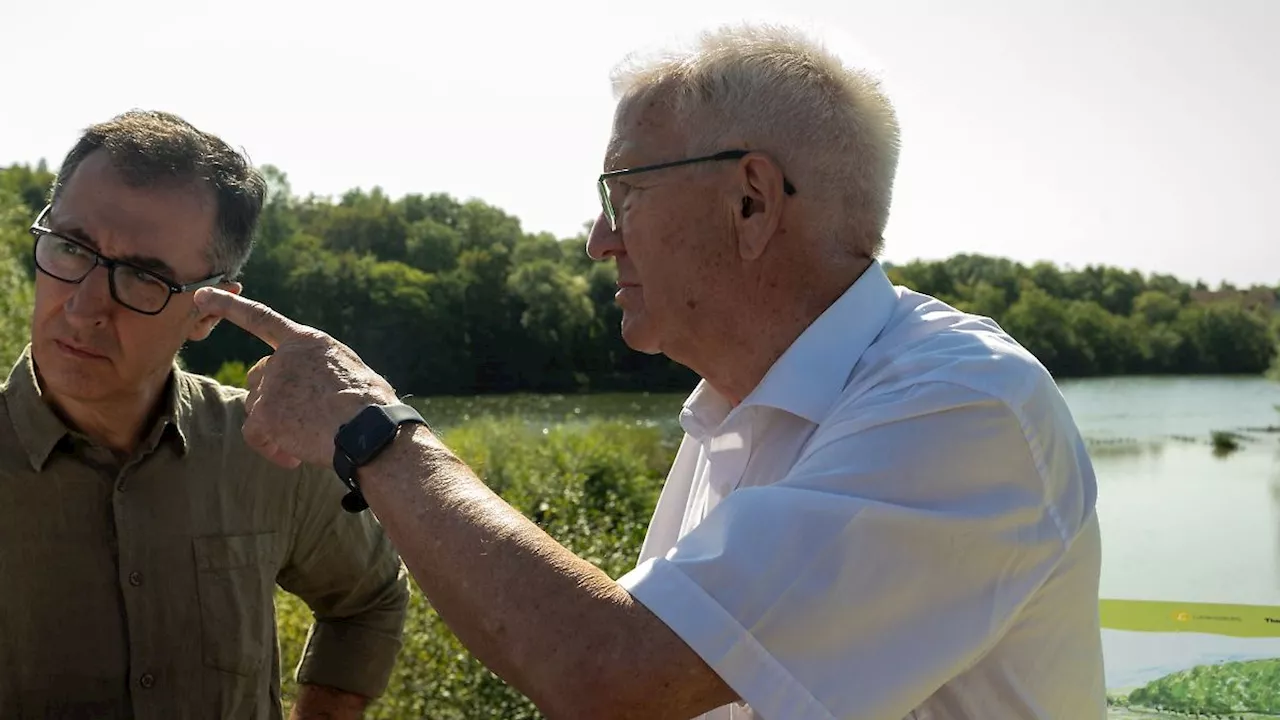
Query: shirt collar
x=176 y=419
x=704 y=411
x=39 y=429
x=811 y=374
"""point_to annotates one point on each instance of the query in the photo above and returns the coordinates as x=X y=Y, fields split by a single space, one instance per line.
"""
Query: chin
x=640 y=336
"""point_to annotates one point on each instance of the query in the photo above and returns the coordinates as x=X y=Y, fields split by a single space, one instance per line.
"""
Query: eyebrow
x=146 y=262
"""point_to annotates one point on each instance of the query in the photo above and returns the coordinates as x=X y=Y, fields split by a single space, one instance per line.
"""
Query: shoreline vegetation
x=1222 y=691
x=450 y=297
x=453 y=299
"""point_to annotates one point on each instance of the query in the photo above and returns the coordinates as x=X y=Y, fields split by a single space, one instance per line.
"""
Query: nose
x=90 y=301
x=602 y=241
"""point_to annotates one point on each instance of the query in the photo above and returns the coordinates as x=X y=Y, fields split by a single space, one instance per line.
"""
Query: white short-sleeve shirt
x=898 y=522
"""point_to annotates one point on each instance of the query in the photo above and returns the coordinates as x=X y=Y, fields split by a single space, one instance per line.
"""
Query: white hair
x=831 y=127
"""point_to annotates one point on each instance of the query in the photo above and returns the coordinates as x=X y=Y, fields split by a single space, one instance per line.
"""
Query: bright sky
x=1144 y=134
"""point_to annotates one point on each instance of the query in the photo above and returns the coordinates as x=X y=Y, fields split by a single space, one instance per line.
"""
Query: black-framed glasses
x=137 y=288
x=606 y=202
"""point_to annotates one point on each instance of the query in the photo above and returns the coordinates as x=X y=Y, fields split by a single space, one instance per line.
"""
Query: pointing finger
x=259 y=320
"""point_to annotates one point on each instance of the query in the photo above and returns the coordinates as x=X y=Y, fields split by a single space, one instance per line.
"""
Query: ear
x=205 y=323
x=758 y=209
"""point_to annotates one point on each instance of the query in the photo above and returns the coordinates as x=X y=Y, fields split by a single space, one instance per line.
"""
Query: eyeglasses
x=136 y=288
x=606 y=201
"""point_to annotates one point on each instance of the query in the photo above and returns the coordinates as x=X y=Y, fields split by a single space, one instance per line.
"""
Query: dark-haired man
x=140 y=540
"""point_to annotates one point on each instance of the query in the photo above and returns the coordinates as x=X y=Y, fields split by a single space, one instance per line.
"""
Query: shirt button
x=135 y=579
x=147 y=680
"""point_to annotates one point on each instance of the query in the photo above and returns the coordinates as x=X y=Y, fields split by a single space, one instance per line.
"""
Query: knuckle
x=255 y=431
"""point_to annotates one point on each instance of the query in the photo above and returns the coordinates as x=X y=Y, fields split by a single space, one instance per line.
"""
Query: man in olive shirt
x=140 y=539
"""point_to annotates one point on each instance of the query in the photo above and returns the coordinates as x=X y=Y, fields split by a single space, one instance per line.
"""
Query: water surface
x=1179 y=521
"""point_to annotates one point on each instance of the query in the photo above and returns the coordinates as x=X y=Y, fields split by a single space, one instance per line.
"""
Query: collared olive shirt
x=144 y=588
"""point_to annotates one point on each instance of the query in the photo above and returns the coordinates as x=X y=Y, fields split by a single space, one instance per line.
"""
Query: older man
x=140 y=539
x=881 y=507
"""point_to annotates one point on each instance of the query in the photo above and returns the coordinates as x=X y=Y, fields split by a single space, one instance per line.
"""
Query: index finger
x=256 y=318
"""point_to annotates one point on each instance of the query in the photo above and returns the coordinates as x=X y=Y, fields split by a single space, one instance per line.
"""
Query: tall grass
x=590 y=485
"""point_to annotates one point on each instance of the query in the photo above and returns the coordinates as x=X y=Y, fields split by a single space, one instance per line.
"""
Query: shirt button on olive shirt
x=144 y=588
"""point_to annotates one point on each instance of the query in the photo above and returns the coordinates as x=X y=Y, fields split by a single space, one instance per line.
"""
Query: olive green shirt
x=145 y=589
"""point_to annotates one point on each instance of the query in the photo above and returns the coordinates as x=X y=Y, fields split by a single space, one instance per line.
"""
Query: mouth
x=79 y=351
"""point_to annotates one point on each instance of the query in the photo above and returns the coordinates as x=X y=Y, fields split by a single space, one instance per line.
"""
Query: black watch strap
x=359 y=441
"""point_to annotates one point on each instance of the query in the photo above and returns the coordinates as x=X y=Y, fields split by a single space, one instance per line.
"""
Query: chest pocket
x=235 y=580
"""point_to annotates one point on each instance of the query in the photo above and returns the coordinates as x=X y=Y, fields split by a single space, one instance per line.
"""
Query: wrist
x=408 y=439
x=417 y=456
x=363 y=439
x=319 y=701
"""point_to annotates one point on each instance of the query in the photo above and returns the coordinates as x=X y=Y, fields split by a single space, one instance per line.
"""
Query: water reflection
x=1180 y=523
x=1118 y=450
x=1275 y=508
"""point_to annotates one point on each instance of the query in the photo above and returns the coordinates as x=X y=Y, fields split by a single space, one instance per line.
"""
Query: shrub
x=234 y=373
x=592 y=486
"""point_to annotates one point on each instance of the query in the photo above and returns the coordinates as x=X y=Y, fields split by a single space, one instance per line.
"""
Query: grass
x=592 y=486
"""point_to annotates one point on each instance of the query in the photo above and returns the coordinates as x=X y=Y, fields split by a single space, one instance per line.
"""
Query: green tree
x=1039 y=323
x=29 y=185
x=1156 y=306
x=1225 y=338
x=16 y=287
x=432 y=246
x=456 y=297
x=556 y=316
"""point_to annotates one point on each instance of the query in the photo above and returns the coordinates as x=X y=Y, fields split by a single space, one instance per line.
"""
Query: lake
x=1179 y=521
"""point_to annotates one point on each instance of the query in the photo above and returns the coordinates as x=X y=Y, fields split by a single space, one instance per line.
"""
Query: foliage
x=1108 y=321
x=450 y=297
x=16 y=288
x=1274 y=371
x=233 y=373
x=591 y=486
x=1225 y=442
x=1231 y=687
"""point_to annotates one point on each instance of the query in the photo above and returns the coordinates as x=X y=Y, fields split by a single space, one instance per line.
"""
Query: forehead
x=173 y=222
x=644 y=130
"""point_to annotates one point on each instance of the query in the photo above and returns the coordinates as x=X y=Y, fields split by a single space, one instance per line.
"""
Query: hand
x=317 y=702
x=304 y=391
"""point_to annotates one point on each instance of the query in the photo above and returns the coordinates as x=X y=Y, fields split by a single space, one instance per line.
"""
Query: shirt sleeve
x=885 y=563
x=344 y=568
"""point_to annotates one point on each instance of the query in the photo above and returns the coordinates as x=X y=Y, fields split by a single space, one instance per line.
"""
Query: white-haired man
x=881 y=507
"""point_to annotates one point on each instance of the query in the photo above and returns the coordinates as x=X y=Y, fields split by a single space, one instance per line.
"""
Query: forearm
x=555 y=626
x=551 y=624
x=317 y=702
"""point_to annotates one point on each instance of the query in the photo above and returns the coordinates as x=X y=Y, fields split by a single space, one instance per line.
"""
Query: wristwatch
x=359 y=441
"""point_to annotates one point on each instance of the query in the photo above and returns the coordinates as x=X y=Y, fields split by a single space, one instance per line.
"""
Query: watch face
x=366 y=434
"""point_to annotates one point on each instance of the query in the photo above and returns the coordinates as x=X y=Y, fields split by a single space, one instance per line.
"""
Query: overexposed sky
x=1138 y=133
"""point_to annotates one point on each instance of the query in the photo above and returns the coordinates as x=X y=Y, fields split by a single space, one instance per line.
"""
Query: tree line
x=447 y=296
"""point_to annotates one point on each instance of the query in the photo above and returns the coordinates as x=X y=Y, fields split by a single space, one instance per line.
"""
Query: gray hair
x=151 y=148
x=831 y=127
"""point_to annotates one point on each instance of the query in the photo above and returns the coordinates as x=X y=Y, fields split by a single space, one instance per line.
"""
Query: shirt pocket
x=235 y=583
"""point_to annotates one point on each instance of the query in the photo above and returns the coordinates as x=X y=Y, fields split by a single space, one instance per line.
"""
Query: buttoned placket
x=143 y=672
